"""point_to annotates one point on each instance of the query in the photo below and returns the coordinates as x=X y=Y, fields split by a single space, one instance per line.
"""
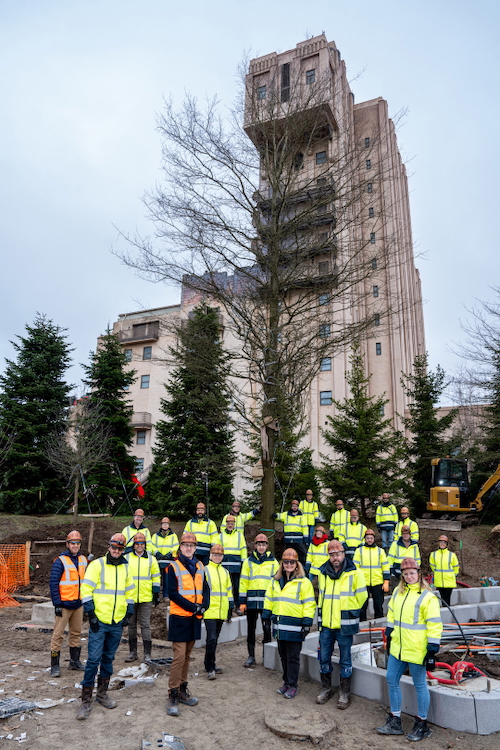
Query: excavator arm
x=490 y=486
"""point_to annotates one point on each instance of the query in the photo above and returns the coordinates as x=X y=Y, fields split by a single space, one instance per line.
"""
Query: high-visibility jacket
x=168 y=544
x=235 y=550
x=70 y=581
x=191 y=588
x=310 y=511
x=107 y=589
x=444 y=565
x=145 y=574
x=221 y=592
x=255 y=577
x=372 y=561
x=338 y=523
x=290 y=605
x=398 y=552
x=295 y=527
x=414 y=530
x=206 y=534
x=341 y=597
x=240 y=519
x=317 y=554
x=130 y=531
x=354 y=535
x=415 y=621
x=386 y=516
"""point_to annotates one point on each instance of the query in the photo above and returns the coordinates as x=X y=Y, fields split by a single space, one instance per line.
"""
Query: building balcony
x=141 y=420
x=141 y=332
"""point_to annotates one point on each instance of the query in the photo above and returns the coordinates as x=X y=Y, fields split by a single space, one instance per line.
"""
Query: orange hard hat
x=140 y=538
x=405 y=528
x=201 y=505
x=230 y=517
x=409 y=562
x=188 y=536
x=290 y=554
x=118 y=539
x=335 y=546
x=165 y=520
x=369 y=531
x=443 y=538
x=138 y=512
x=74 y=536
x=217 y=548
x=295 y=502
x=260 y=538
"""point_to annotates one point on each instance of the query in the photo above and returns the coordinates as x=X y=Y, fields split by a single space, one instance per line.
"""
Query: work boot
x=147 y=651
x=391 y=726
x=55 y=670
x=345 y=691
x=420 y=731
x=74 y=658
x=326 y=688
x=172 y=704
x=86 y=704
x=102 y=696
x=250 y=662
x=184 y=696
x=132 y=644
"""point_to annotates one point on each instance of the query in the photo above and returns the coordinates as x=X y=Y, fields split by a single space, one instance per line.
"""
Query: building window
x=310 y=76
x=367 y=143
x=368 y=163
x=126 y=387
x=261 y=92
x=298 y=162
x=139 y=465
x=382 y=410
x=146 y=352
x=322 y=208
x=324 y=330
x=325 y=398
x=375 y=291
x=372 y=237
x=369 y=188
x=285 y=82
x=321 y=181
x=376 y=319
x=371 y=213
x=374 y=264
x=128 y=355
x=324 y=299
x=323 y=267
x=141 y=437
x=144 y=381
x=378 y=348
x=326 y=364
x=321 y=157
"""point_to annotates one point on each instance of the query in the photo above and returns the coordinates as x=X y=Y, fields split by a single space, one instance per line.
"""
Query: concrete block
x=471 y=596
x=463 y=613
x=490 y=611
x=455 y=597
x=229 y=632
x=43 y=614
x=491 y=593
x=452 y=709
x=271 y=656
x=487 y=707
x=203 y=640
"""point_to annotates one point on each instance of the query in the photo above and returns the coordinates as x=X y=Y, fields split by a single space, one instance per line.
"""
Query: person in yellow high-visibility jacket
x=205 y=531
x=401 y=548
x=317 y=553
x=353 y=535
x=372 y=560
x=404 y=512
x=310 y=511
x=413 y=635
x=386 y=518
x=240 y=518
x=295 y=529
x=145 y=573
x=220 y=607
x=444 y=564
x=137 y=525
x=339 y=520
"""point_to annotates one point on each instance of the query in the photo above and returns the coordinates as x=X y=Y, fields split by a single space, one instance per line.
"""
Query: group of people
x=207 y=573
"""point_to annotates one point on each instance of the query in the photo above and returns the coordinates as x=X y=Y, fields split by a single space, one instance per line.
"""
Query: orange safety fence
x=14 y=571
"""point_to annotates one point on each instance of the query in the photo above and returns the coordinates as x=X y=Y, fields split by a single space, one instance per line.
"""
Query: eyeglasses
x=140 y=544
x=289 y=562
x=72 y=542
x=188 y=544
x=336 y=554
x=259 y=543
x=217 y=554
x=116 y=547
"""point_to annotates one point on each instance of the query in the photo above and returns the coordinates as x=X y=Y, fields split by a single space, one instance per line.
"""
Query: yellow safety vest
x=290 y=608
x=110 y=587
x=398 y=552
x=416 y=621
x=414 y=530
x=188 y=587
x=145 y=574
x=221 y=592
x=354 y=535
x=338 y=523
x=130 y=531
x=235 y=550
x=295 y=527
x=255 y=578
x=310 y=511
x=444 y=565
x=70 y=581
x=372 y=561
x=165 y=544
x=386 y=516
x=206 y=534
x=340 y=600
x=317 y=554
x=239 y=520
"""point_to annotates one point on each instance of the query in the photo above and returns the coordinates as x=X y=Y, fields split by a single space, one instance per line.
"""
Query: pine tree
x=427 y=430
x=108 y=378
x=33 y=404
x=194 y=444
x=370 y=451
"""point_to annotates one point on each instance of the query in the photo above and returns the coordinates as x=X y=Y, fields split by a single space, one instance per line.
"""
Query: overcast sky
x=82 y=81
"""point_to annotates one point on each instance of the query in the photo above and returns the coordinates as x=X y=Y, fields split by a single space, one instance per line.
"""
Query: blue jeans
x=327 y=638
x=395 y=670
x=102 y=650
x=387 y=537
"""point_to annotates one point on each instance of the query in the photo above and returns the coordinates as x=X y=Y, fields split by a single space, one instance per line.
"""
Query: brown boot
x=326 y=689
x=132 y=644
x=86 y=704
x=102 y=696
x=345 y=691
x=173 y=703
x=185 y=696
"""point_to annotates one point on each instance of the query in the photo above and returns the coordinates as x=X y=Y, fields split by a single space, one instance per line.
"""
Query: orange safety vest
x=190 y=588
x=69 y=584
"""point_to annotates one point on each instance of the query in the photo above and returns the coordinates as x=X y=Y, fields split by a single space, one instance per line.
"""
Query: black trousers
x=252 y=617
x=289 y=652
x=445 y=595
x=235 y=582
x=378 y=602
x=213 y=631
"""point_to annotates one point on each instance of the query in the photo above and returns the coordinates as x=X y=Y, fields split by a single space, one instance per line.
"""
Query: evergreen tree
x=194 y=444
x=427 y=430
x=107 y=379
x=370 y=451
x=33 y=404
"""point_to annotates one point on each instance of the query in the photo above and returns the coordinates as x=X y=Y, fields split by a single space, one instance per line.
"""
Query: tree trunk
x=267 y=491
x=75 y=497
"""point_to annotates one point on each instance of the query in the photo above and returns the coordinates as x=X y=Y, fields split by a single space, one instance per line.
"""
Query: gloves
x=58 y=611
x=200 y=610
x=126 y=620
x=385 y=587
x=274 y=516
x=156 y=598
x=93 y=622
x=229 y=619
x=305 y=629
x=243 y=608
x=388 y=635
x=430 y=661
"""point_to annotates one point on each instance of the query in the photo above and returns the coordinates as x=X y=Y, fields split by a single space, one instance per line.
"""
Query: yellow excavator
x=450 y=488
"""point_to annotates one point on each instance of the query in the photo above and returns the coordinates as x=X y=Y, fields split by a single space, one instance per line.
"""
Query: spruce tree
x=34 y=401
x=369 y=452
x=107 y=379
x=194 y=443
x=427 y=440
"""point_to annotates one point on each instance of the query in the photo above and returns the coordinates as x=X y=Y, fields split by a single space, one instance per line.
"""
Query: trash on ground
x=48 y=702
x=167 y=741
x=128 y=713
x=11 y=706
x=136 y=671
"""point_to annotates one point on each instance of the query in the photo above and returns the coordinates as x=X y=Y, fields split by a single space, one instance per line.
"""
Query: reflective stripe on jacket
x=340 y=600
x=145 y=574
x=235 y=550
x=255 y=578
x=386 y=516
x=416 y=621
x=414 y=530
x=338 y=523
x=188 y=587
x=290 y=608
x=444 y=565
x=110 y=587
x=295 y=527
x=70 y=581
x=221 y=592
x=130 y=531
x=206 y=534
x=317 y=554
x=398 y=551
x=310 y=511
x=165 y=544
x=372 y=561
x=354 y=535
x=239 y=520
